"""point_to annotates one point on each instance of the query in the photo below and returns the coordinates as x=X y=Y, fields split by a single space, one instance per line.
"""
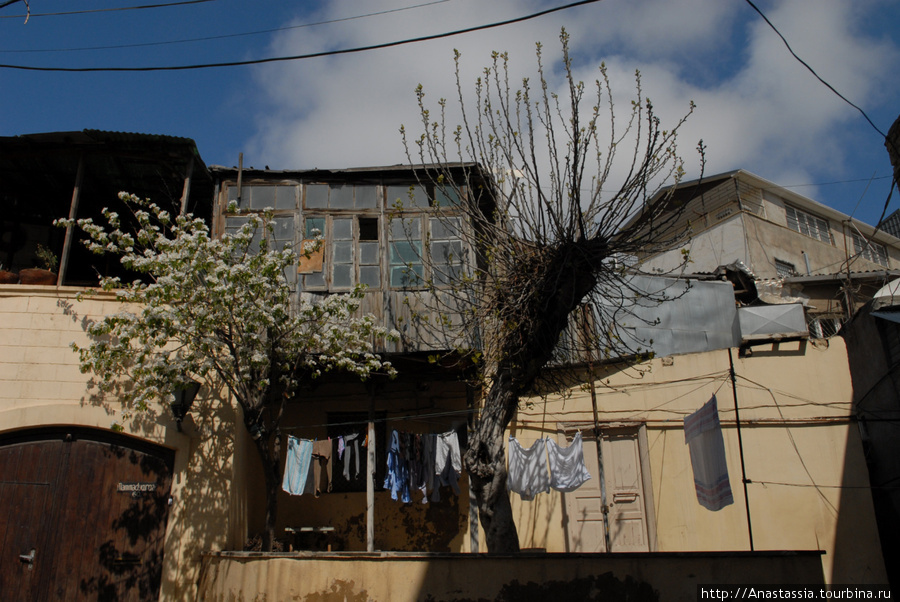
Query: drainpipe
x=806 y=259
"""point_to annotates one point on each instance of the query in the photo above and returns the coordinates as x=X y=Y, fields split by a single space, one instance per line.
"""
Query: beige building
x=98 y=504
x=792 y=245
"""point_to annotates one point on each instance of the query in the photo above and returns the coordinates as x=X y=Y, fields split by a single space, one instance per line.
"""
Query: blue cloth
x=296 y=465
x=397 y=477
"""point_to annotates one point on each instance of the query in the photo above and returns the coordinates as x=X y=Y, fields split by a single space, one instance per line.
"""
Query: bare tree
x=548 y=231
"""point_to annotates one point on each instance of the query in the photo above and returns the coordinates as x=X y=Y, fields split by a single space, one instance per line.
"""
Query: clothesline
x=400 y=418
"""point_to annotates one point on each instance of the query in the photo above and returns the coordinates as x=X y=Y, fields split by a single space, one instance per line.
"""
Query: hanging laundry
x=429 y=450
x=416 y=464
x=296 y=465
x=528 y=474
x=340 y=447
x=703 y=433
x=321 y=463
x=567 y=469
x=351 y=455
x=397 y=478
x=447 y=463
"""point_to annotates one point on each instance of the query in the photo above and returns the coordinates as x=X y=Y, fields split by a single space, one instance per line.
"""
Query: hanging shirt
x=321 y=463
x=296 y=465
x=351 y=455
x=397 y=478
x=528 y=469
x=567 y=469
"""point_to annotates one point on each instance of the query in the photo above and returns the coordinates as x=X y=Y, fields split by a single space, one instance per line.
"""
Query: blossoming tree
x=218 y=307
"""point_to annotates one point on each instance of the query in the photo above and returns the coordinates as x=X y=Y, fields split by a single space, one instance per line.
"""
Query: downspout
x=73 y=211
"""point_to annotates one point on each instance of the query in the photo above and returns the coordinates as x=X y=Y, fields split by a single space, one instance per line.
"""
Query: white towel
x=703 y=433
x=528 y=469
x=567 y=469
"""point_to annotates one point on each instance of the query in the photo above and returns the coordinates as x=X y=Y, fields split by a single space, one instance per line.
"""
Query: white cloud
x=758 y=108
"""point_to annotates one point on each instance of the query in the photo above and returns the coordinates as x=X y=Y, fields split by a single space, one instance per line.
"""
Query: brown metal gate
x=82 y=515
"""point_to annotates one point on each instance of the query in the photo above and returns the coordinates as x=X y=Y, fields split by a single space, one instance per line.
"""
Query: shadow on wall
x=202 y=510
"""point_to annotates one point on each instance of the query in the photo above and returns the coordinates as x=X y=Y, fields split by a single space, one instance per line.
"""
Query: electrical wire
x=229 y=35
x=305 y=56
x=102 y=10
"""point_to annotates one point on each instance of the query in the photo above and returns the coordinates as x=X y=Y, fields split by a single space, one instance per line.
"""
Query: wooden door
x=82 y=517
x=625 y=496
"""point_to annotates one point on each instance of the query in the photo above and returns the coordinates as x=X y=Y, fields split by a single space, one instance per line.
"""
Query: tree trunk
x=485 y=461
x=560 y=288
x=270 y=472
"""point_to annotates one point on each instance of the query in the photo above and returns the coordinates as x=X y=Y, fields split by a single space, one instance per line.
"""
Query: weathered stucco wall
x=563 y=577
x=808 y=486
x=41 y=385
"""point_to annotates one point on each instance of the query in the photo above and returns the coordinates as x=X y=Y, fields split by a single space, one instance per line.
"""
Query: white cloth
x=528 y=474
x=703 y=433
x=447 y=463
x=567 y=469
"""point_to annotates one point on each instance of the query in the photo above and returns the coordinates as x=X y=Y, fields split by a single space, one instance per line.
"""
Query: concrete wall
x=740 y=221
x=808 y=486
x=560 y=577
x=40 y=384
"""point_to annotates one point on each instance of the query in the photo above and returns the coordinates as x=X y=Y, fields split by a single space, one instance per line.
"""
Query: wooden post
x=370 y=477
x=73 y=211
x=186 y=191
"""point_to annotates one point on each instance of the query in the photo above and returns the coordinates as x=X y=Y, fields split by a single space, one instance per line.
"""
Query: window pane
x=233 y=196
x=341 y=196
x=445 y=196
x=316 y=280
x=341 y=277
x=366 y=197
x=261 y=197
x=404 y=251
x=447 y=252
x=314 y=223
x=406 y=276
x=283 y=228
x=316 y=196
x=368 y=253
x=286 y=197
x=406 y=228
x=370 y=275
x=403 y=193
x=443 y=228
x=446 y=274
x=342 y=229
x=343 y=252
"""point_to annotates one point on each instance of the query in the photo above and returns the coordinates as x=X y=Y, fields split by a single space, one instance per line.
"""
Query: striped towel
x=703 y=433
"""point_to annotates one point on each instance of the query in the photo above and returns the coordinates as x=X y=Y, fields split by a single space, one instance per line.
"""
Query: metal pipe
x=737 y=421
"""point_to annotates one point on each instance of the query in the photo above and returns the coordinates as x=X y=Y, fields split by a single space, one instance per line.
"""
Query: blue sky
x=757 y=108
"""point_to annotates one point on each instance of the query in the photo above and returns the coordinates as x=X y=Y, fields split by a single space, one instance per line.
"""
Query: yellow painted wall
x=41 y=384
x=803 y=456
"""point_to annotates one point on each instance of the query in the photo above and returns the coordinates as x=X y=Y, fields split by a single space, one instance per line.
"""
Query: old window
x=259 y=197
x=785 y=269
x=446 y=249
x=808 y=225
x=867 y=249
x=406 y=266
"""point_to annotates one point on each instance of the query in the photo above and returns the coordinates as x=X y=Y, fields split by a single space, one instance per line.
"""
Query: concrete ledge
x=656 y=576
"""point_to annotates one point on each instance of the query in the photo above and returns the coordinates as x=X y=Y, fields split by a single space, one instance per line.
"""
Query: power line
x=229 y=35
x=811 y=70
x=101 y=10
x=303 y=56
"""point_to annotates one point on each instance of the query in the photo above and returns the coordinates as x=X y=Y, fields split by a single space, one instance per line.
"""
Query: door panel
x=624 y=495
x=93 y=506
